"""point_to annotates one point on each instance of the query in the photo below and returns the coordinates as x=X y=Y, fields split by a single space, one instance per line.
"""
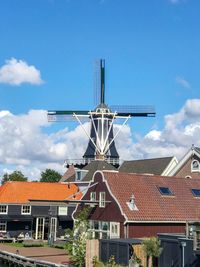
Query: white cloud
x=183 y=82
x=16 y=72
x=25 y=144
x=181 y=130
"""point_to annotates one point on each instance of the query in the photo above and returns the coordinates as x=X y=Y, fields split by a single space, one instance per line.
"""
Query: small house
x=29 y=208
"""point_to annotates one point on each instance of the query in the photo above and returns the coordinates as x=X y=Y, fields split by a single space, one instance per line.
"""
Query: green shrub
x=151 y=248
x=111 y=262
x=76 y=244
x=60 y=246
x=33 y=244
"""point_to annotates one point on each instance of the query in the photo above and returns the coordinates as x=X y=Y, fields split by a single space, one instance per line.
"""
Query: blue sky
x=151 y=48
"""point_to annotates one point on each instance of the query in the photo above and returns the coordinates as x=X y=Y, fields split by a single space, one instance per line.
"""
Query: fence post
x=92 y=249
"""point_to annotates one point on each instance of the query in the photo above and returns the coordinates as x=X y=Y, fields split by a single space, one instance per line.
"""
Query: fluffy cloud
x=183 y=82
x=181 y=130
x=16 y=72
x=25 y=144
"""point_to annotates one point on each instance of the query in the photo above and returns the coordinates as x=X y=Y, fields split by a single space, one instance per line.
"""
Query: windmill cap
x=102 y=107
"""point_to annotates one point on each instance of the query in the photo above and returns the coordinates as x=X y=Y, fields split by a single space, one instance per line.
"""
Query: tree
x=50 y=176
x=76 y=245
x=152 y=248
x=14 y=176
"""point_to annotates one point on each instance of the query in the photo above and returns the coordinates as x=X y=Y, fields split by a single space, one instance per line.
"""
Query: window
x=100 y=229
x=195 y=166
x=165 y=191
x=196 y=192
x=104 y=230
x=62 y=210
x=92 y=196
x=102 y=199
x=114 y=230
x=80 y=174
x=3 y=226
x=3 y=209
x=26 y=209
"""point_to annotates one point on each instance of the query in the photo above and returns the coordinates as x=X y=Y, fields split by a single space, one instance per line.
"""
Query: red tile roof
x=21 y=192
x=152 y=206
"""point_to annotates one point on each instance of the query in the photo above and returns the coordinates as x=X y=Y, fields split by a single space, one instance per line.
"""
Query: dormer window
x=195 y=166
x=131 y=203
x=80 y=174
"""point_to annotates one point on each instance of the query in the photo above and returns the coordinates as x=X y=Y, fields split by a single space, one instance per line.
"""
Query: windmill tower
x=101 y=145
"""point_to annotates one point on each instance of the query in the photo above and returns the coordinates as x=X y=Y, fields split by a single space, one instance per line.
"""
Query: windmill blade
x=99 y=82
x=134 y=111
x=66 y=115
x=68 y=112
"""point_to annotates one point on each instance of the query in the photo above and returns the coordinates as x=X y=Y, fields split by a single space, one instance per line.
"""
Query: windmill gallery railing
x=101 y=143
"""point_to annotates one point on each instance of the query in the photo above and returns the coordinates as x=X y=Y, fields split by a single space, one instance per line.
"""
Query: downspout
x=127 y=230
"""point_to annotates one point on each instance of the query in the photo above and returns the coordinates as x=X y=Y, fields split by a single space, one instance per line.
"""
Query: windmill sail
x=101 y=143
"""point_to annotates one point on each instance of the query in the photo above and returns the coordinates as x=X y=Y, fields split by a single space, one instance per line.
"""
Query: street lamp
x=183 y=245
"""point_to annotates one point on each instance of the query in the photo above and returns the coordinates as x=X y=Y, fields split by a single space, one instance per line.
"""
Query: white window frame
x=100 y=229
x=4 y=206
x=192 y=168
x=61 y=211
x=40 y=222
x=3 y=223
x=92 y=196
x=102 y=199
x=80 y=174
x=116 y=232
x=22 y=210
x=53 y=228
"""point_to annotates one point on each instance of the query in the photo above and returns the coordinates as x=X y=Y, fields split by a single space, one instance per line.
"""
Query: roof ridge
x=149 y=175
x=148 y=159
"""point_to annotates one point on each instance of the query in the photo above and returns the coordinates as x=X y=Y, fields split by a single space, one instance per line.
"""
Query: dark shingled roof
x=197 y=149
x=151 y=166
x=92 y=167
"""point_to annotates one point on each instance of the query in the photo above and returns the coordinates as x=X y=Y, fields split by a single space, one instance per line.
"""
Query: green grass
x=16 y=245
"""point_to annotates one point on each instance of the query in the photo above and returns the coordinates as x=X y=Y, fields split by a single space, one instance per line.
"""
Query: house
x=130 y=205
x=82 y=177
x=157 y=166
x=189 y=165
x=20 y=216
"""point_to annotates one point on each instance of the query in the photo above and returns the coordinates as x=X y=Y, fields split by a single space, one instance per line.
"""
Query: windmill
x=101 y=145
